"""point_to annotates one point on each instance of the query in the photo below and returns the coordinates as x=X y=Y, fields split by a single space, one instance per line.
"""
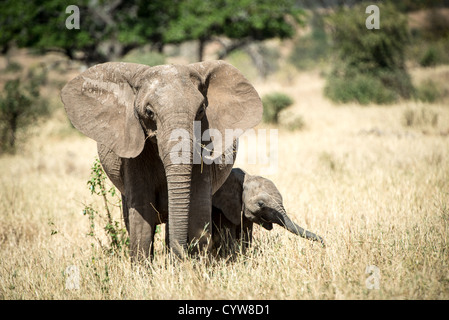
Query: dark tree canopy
x=110 y=29
x=241 y=20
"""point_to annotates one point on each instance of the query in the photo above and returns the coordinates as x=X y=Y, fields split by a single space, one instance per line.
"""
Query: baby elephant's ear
x=229 y=197
x=100 y=103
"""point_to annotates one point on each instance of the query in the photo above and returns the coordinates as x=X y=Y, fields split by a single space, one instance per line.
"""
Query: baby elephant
x=243 y=200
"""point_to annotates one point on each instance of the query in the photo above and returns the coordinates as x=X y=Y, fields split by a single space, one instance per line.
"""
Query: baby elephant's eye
x=260 y=204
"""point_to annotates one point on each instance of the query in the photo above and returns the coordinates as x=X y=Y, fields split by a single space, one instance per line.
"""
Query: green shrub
x=370 y=64
x=362 y=88
x=118 y=240
x=311 y=49
x=430 y=57
x=20 y=105
x=273 y=104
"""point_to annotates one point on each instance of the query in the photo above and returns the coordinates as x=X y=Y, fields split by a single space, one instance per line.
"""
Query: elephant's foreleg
x=125 y=213
x=142 y=225
x=245 y=234
x=200 y=215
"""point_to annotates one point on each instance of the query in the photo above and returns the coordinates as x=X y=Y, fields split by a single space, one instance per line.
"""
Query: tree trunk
x=254 y=52
x=13 y=131
x=201 y=48
x=229 y=48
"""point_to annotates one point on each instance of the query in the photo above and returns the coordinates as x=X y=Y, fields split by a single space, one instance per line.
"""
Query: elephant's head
x=260 y=202
x=121 y=105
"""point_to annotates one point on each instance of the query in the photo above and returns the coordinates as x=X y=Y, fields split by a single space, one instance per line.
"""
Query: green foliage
x=20 y=104
x=362 y=88
x=312 y=48
x=41 y=25
x=429 y=91
x=236 y=19
x=430 y=58
x=149 y=58
x=370 y=64
x=429 y=52
x=108 y=30
x=273 y=104
x=116 y=234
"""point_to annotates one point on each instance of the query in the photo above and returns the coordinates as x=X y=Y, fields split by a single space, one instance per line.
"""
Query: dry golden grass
x=377 y=191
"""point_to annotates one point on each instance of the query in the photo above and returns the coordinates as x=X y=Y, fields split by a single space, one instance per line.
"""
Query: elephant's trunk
x=177 y=155
x=284 y=221
x=179 y=186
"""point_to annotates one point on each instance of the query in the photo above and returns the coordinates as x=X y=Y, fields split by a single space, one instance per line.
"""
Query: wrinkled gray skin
x=243 y=200
x=131 y=110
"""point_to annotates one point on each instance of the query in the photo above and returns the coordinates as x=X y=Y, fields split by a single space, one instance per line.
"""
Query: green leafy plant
x=430 y=57
x=313 y=48
x=370 y=64
x=20 y=104
x=116 y=234
x=273 y=104
x=362 y=88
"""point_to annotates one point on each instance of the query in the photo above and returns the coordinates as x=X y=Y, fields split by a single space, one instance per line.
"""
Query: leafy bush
x=114 y=231
x=369 y=63
x=430 y=58
x=312 y=48
x=20 y=105
x=273 y=104
x=363 y=88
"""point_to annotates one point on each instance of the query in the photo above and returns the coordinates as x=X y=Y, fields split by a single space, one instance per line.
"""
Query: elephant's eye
x=261 y=204
x=149 y=112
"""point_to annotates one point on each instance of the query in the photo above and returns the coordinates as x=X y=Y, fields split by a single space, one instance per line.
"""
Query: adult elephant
x=143 y=119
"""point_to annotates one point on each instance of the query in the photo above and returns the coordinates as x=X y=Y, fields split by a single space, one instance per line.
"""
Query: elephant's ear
x=229 y=197
x=233 y=103
x=100 y=103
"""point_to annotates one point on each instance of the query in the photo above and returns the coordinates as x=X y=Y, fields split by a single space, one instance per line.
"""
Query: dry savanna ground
x=376 y=189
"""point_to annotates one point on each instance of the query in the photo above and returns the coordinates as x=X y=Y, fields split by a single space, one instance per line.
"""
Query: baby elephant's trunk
x=288 y=224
